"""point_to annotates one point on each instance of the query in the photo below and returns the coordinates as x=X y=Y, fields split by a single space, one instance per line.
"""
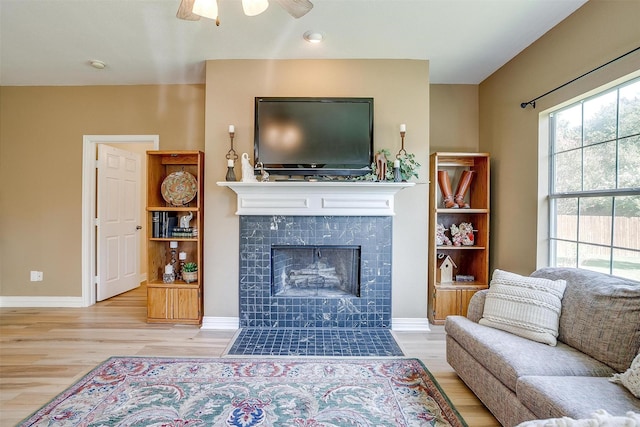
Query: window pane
x=629 y=161
x=594 y=258
x=596 y=151
x=629 y=110
x=568 y=129
x=600 y=166
x=595 y=220
x=600 y=115
x=566 y=254
x=566 y=219
x=626 y=227
x=568 y=172
x=626 y=264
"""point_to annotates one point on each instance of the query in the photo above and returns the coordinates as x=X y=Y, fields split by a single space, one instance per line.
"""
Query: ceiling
x=50 y=42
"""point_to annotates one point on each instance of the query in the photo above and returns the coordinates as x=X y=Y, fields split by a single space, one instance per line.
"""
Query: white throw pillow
x=600 y=418
x=630 y=378
x=525 y=306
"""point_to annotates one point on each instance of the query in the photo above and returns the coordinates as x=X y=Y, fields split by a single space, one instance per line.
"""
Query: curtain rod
x=533 y=101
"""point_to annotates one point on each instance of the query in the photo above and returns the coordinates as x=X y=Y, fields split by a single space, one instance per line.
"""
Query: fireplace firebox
x=309 y=270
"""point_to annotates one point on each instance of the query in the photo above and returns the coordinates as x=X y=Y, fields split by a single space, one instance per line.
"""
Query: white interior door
x=118 y=204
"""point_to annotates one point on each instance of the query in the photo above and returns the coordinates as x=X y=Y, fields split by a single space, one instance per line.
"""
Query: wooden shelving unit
x=177 y=302
x=446 y=299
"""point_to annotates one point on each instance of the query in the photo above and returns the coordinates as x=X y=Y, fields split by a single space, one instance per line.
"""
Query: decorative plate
x=179 y=188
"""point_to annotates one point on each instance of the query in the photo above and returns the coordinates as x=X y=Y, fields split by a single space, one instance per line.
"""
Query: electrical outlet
x=37 y=276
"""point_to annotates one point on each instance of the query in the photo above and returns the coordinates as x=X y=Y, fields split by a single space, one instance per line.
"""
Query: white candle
x=173 y=245
x=230 y=163
x=232 y=128
x=182 y=256
x=168 y=269
x=396 y=163
x=403 y=128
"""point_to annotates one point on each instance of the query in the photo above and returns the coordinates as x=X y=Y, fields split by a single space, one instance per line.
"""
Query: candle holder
x=231 y=156
x=174 y=249
x=402 y=151
x=182 y=256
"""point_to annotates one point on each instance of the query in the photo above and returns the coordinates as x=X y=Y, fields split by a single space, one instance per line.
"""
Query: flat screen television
x=314 y=136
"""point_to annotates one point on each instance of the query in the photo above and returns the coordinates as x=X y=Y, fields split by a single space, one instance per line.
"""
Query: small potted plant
x=190 y=272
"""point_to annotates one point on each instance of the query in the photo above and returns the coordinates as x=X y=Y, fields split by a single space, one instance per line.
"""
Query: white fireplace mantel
x=319 y=198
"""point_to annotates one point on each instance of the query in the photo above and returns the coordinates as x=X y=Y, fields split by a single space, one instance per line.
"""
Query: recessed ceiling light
x=98 y=65
x=313 y=36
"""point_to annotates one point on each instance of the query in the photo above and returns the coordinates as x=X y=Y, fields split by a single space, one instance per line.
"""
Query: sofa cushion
x=599 y=314
x=631 y=378
x=575 y=397
x=509 y=356
x=525 y=306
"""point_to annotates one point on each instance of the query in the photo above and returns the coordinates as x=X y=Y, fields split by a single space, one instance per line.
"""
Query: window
x=595 y=183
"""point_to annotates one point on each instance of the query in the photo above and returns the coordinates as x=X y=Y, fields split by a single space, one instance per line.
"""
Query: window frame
x=580 y=195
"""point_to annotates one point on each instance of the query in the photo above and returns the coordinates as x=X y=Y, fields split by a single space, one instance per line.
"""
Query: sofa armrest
x=476 y=305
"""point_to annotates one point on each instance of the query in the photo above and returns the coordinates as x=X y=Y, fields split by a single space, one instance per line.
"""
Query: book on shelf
x=163 y=224
x=189 y=232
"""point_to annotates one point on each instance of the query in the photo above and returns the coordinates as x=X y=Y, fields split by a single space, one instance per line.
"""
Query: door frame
x=89 y=183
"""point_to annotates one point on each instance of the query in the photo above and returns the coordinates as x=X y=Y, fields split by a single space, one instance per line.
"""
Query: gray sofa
x=520 y=380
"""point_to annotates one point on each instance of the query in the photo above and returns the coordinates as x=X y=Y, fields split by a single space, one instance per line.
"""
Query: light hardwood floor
x=45 y=350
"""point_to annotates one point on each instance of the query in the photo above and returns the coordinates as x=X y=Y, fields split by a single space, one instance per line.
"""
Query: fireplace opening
x=309 y=270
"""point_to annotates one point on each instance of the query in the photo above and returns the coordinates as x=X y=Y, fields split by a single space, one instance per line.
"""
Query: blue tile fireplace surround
x=315 y=285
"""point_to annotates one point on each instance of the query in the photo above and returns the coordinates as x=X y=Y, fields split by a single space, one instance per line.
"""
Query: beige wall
x=41 y=130
x=401 y=92
x=453 y=118
x=596 y=33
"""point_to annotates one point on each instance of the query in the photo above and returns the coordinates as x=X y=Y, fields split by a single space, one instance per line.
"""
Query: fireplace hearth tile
x=342 y=342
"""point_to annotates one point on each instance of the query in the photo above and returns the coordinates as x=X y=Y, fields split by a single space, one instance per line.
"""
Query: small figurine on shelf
x=263 y=173
x=445 y=264
x=381 y=165
x=462 y=235
x=247 y=170
x=441 y=238
x=185 y=220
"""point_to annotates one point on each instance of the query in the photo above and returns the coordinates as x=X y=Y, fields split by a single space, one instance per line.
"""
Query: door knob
x=138 y=227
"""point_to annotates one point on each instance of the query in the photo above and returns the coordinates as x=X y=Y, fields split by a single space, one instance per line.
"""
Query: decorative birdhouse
x=444 y=270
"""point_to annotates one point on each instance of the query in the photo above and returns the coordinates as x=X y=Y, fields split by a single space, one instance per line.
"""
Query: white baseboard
x=41 y=302
x=211 y=323
x=398 y=324
x=414 y=324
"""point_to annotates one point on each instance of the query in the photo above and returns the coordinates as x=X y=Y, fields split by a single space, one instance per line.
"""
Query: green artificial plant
x=190 y=267
x=408 y=167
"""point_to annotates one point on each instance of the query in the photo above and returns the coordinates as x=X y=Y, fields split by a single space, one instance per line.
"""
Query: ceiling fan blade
x=296 y=8
x=185 y=11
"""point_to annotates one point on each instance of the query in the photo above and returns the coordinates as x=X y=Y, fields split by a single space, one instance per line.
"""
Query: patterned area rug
x=141 y=391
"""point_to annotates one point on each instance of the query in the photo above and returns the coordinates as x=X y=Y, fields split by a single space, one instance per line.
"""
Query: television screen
x=314 y=136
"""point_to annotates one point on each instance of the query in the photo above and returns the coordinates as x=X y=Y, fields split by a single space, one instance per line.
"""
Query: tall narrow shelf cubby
x=453 y=298
x=177 y=301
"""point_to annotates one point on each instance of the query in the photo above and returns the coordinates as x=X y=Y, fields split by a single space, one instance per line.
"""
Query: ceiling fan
x=192 y=10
